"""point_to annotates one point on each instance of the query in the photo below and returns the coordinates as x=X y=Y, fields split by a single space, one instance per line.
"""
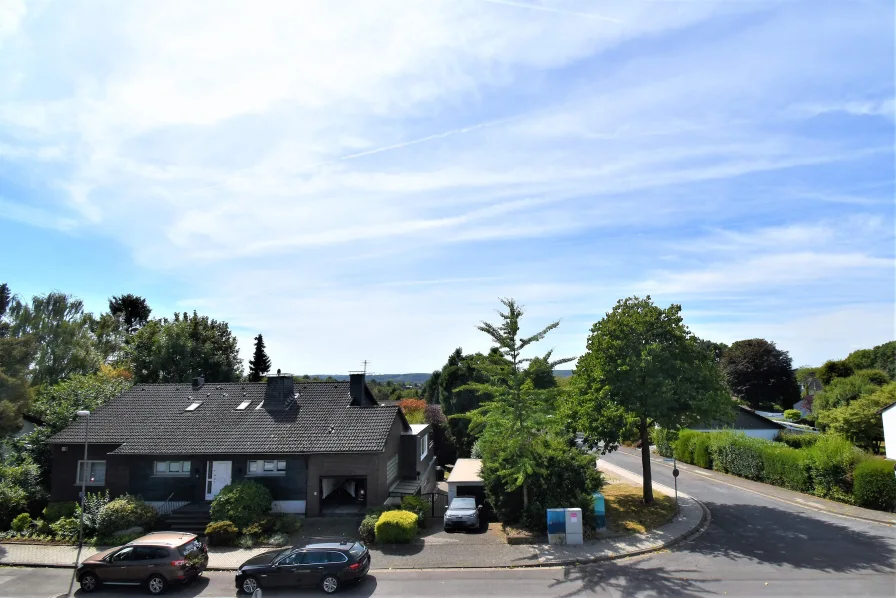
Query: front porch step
x=192 y=518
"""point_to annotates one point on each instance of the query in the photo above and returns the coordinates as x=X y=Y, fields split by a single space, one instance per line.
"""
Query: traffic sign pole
x=675 y=477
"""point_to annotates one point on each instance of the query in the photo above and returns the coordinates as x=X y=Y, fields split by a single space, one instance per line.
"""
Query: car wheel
x=249 y=585
x=329 y=584
x=156 y=585
x=89 y=582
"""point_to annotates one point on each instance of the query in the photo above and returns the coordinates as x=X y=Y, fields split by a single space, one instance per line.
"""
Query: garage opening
x=343 y=495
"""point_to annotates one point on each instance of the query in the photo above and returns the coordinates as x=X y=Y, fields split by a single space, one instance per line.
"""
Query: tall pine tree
x=260 y=364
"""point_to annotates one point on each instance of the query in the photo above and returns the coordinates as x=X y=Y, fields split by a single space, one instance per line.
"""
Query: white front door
x=217 y=476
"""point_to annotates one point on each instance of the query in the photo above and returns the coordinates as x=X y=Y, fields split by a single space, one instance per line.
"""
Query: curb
x=690 y=534
x=804 y=505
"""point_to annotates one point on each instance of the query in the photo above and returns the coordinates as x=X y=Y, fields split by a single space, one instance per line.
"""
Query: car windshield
x=357 y=549
x=463 y=503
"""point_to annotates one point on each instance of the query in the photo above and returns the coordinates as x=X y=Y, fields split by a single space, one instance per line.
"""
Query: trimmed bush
x=798 y=440
x=417 y=505
x=221 y=533
x=874 y=485
x=124 y=512
x=700 y=449
x=793 y=415
x=367 y=529
x=282 y=523
x=55 y=511
x=396 y=527
x=247 y=542
x=65 y=528
x=664 y=440
x=786 y=467
x=21 y=523
x=832 y=461
x=94 y=502
x=253 y=529
x=242 y=503
x=684 y=447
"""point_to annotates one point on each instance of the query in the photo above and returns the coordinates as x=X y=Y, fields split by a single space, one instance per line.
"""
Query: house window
x=96 y=473
x=424 y=446
x=266 y=467
x=172 y=468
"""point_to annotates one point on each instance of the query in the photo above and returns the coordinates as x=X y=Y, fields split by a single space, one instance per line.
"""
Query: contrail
x=427 y=138
x=559 y=11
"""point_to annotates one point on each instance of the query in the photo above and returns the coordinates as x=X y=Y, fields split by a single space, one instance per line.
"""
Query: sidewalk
x=789 y=496
x=442 y=551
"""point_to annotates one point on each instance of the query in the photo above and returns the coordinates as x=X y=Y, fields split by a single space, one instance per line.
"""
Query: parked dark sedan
x=327 y=565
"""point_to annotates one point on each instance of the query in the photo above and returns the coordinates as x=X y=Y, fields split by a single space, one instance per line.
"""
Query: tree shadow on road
x=624 y=578
x=781 y=537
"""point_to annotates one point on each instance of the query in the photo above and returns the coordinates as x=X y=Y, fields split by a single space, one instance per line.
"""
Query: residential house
x=748 y=422
x=888 y=414
x=29 y=424
x=320 y=447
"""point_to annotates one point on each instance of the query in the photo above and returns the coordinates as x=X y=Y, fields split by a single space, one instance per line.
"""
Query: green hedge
x=737 y=454
x=700 y=449
x=684 y=446
x=798 y=440
x=832 y=460
x=822 y=466
x=396 y=527
x=664 y=440
x=786 y=467
x=874 y=485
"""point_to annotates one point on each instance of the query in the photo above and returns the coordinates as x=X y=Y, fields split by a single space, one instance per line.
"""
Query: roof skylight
x=193 y=406
x=243 y=405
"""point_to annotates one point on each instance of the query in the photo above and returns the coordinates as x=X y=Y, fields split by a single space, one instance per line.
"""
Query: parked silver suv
x=462 y=513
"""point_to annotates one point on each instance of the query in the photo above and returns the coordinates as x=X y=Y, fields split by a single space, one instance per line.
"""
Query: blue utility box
x=600 y=511
x=556 y=526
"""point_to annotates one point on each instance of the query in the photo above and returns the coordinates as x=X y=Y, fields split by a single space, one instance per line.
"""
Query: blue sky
x=363 y=180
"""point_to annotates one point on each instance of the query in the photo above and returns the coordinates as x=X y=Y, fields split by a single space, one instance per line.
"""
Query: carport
x=465 y=481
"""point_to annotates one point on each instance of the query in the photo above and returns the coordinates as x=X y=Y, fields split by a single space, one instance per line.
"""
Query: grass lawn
x=627 y=513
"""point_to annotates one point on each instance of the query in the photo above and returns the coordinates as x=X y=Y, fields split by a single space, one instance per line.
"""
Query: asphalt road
x=755 y=546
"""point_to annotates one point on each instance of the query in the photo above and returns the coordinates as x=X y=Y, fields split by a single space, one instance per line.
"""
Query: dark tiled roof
x=149 y=419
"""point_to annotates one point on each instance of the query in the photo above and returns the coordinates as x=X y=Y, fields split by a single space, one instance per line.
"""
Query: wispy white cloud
x=388 y=167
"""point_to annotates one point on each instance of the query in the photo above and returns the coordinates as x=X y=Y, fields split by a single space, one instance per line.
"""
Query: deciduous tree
x=16 y=355
x=642 y=360
x=178 y=349
x=62 y=332
x=860 y=421
x=831 y=370
x=760 y=374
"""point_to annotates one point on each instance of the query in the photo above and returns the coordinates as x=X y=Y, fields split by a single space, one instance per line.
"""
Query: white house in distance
x=888 y=414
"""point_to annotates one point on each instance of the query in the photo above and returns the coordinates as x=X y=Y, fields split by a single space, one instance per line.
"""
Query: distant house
x=749 y=422
x=29 y=424
x=888 y=414
x=320 y=447
x=804 y=405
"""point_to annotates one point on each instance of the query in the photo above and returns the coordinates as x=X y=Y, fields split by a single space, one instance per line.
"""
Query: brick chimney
x=280 y=392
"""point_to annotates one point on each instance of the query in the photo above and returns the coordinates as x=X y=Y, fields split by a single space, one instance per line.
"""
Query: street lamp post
x=83 y=472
